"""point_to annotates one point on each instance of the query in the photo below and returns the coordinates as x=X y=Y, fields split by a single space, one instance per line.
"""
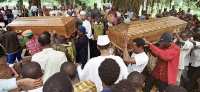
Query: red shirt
x=113 y=12
x=33 y=46
x=166 y=68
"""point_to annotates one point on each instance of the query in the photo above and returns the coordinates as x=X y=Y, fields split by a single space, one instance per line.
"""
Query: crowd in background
x=88 y=61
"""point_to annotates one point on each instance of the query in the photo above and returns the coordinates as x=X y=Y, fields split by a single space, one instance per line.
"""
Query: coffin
x=62 y=25
x=151 y=30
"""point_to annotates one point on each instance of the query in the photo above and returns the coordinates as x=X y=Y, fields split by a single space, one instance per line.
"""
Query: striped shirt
x=85 y=86
x=33 y=46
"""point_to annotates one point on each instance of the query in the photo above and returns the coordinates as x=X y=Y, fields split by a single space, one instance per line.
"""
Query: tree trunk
x=152 y=6
x=21 y=3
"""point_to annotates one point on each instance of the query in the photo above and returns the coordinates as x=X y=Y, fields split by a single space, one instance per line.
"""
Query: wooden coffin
x=151 y=30
x=62 y=25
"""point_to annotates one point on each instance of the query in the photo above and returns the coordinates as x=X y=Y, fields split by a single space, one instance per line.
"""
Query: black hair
x=175 y=88
x=68 y=68
x=62 y=38
x=109 y=71
x=137 y=79
x=104 y=47
x=186 y=32
x=59 y=82
x=124 y=86
x=47 y=34
x=139 y=42
x=31 y=70
x=44 y=40
x=197 y=37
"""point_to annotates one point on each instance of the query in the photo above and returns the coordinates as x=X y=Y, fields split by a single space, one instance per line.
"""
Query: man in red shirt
x=33 y=46
x=166 y=69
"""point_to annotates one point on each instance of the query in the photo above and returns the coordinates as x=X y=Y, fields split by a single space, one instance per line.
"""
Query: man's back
x=10 y=42
x=90 y=71
x=50 y=61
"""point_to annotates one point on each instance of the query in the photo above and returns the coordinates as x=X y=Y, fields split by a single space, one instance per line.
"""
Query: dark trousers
x=193 y=80
x=94 y=51
x=150 y=81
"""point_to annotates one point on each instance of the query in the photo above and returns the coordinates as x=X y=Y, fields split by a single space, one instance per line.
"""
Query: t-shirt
x=34 y=8
x=8 y=13
x=141 y=62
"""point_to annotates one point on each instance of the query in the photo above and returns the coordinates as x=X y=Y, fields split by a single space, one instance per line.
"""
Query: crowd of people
x=88 y=62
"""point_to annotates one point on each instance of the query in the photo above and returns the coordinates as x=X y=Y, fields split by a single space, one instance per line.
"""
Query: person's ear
x=42 y=72
x=143 y=85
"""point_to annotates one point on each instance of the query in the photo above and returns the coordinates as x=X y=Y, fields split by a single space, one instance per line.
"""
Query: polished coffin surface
x=62 y=25
x=151 y=30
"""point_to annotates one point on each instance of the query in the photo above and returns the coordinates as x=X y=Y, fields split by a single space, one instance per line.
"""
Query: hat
x=27 y=33
x=103 y=40
x=82 y=29
x=82 y=13
x=126 y=14
x=166 y=37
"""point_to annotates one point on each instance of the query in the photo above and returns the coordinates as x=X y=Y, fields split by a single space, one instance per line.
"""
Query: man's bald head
x=44 y=40
x=69 y=68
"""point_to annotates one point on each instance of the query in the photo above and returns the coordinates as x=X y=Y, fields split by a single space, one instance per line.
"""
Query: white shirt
x=54 y=12
x=34 y=8
x=127 y=20
x=7 y=84
x=185 y=50
x=108 y=5
x=36 y=90
x=118 y=14
x=87 y=26
x=130 y=14
x=50 y=61
x=195 y=58
x=90 y=71
x=141 y=60
x=15 y=13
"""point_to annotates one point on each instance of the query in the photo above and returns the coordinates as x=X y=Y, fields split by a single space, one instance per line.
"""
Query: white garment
x=130 y=14
x=50 y=61
x=34 y=8
x=36 y=90
x=7 y=84
x=107 y=10
x=15 y=13
x=54 y=12
x=108 y=5
x=90 y=71
x=127 y=20
x=185 y=50
x=118 y=14
x=87 y=26
x=141 y=60
x=195 y=58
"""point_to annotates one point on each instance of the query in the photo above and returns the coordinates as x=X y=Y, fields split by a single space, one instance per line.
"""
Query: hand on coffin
x=126 y=39
x=147 y=42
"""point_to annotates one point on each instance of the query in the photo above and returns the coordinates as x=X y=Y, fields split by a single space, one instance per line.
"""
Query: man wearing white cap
x=90 y=71
x=87 y=26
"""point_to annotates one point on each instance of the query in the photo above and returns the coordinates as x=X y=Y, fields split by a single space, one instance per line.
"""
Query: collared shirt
x=195 y=58
x=85 y=86
x=166 y=68
x=87 y=26
x=90 y=71
x=141 y=60
x=33 y=46
x=7 y=84
x=50 y=61
x=185 y=50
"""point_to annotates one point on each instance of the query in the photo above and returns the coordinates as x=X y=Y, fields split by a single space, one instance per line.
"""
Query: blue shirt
x=107 y=90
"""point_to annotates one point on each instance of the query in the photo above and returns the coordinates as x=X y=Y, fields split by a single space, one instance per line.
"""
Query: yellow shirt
x=98 y=30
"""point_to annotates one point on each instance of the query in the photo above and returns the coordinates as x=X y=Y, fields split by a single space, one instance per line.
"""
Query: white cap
x=126 y=13
x=103 y=40
x=82 y=13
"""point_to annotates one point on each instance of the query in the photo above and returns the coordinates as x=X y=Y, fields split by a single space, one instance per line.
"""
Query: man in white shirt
x=139 y=59
x=15 y=13
x=90 y=71
x=126 y=19
x=186 y=47
x=195 y=59
x=49 y=59
x=87 y=25
x=34 y=9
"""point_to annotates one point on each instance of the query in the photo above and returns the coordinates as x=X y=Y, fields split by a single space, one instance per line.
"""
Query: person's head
x=89 y=8
x=23 y=6
x=159 y=11
x=108 y=1
x=173 y=7
x=83 y=15
x=137 y=79
x=28 y=34
x=103 y=42
x=188 y=10
x=81 y=31
x=14 y=8
x=124 y=86
x=44 y=40
x=78 y=23
x=83 y=6
x=185 y=34
x=6 y=7
x=110 y=17
x=32 y=70
x=59 y=82
x=95 y=5
x=175 y=88
x=69 y=68
x=98 y=19
x=104 y=8
x=197 y=37
x=180 y=9
x=138 y=45
x=62 y=39
x=126 y=15
x=121 y=20
x=47 y=34
x=18 y=2
x=166 y=40
x=165 y=9
x=104 y=1
x=109 y=71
